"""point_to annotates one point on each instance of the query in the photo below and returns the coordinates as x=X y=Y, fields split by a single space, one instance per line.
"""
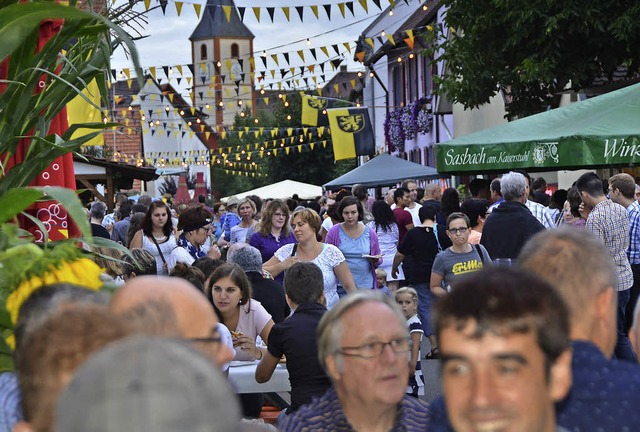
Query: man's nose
x=482 y=389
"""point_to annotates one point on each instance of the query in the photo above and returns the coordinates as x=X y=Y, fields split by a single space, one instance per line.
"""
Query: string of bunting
x=312 y=10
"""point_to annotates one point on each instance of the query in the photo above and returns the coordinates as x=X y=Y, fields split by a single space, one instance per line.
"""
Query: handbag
x=164 y=261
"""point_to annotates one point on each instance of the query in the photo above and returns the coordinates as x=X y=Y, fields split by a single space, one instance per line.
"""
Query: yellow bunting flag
x=197 y=8
x=301 y=54
x=390 y=37
x=275 y=58
x=341 y=7
x=147 y=3
x=370 y=42
x=347 y=45
x=314 y=9
x=351 y=133
x=364 y=5
x=127 y=73
x=179 y=67
x=324 y=50
x=152 y=71
x=409 y=39
x=256 y=12
x=227 y=12
x=286 y=12
x=179 y=8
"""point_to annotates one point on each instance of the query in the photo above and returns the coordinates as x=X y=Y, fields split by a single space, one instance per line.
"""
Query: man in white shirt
x=413 y=206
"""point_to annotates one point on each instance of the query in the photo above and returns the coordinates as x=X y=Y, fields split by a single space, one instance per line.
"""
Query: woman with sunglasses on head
x=273 y=232
x=157 y=235
x=247 y=211
x=196 y=224
x=459 y=259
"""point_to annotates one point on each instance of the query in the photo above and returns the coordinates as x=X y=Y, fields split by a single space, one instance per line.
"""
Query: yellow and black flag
x=351 y=132
x=314 y=110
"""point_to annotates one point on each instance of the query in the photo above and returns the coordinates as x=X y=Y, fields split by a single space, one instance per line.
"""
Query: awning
x=597 y=132
x=383 y=170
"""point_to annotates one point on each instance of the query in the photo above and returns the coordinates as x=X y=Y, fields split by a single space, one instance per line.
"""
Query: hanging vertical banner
x=351 y=132
x=312 y=110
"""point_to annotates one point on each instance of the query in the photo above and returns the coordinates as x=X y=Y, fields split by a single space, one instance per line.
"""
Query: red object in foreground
x=60 y=173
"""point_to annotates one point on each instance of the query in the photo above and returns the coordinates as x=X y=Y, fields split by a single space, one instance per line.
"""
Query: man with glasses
x=511 y=224
x=172 y=307
x=363 y=345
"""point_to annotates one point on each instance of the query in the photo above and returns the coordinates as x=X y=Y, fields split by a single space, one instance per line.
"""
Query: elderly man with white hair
x=363 y=345
x=511 y=224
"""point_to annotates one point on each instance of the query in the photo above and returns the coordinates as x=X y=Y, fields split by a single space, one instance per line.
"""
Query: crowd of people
x=527 y=299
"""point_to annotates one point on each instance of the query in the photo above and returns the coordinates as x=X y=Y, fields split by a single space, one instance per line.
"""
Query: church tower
x=222 y=53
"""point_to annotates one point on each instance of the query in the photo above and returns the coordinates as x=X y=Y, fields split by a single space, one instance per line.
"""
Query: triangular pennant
x=179 y=67
x=286 y=11
x=197 y=8
x=152 y=71
x=271 y=11
x=163 y=6
x=188 y=80
x=241 y=12
x=311 y=68
x=166 y=71
x=286 y=57
x=190 y=66
x=324 y=50
x=327 y=9
x=147 y=3
x=301 y=54
x=335 y=63
x=390 y=37
x=300 y=10
x=341 y=8
x=241 y=63
x=336 y=49
x=127 y=73
x=256 y=12
x=360 y=56
x=313 y=53
x=179 y=8
x=283 y=72
x=409 y=42
x=347 y=46
x=264 y=61
x=322 y=66
x=275 y=59
x=392 y=3
x=227 y=12
x=350 y=7
x=314 y=9
x=370 y=42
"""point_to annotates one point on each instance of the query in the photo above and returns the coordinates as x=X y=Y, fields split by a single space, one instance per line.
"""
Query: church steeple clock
x=221 y=50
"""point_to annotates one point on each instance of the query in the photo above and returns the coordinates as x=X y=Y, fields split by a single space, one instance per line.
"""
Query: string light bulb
x=425 y=7
x=181 y=112
x=383 y=34
x=256 y=121
x=308 y=41
x=391 y=13
x=411 y=56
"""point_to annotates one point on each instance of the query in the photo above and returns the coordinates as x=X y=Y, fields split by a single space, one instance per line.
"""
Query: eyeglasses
x=206 y=228
x=458 y=230
x=280 y=215
x=375 y=349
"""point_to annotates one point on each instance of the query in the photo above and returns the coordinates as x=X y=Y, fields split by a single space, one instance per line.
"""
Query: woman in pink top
x=246 y=319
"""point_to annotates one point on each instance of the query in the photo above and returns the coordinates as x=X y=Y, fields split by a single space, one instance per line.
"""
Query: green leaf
x=14 y=201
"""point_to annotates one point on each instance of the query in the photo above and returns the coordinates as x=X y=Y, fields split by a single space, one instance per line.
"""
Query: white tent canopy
x=283 y=189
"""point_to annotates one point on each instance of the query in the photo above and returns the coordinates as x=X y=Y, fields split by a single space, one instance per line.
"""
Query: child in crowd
x=407 y=299
x=381 y=275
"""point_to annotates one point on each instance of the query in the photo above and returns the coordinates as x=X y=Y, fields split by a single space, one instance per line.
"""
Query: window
x=398 y=90
x=427 y=80
x=203 y=52
x=235 y=50
x=412 y=80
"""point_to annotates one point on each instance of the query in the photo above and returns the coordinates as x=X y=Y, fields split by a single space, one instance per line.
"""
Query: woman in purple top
x=273 y=231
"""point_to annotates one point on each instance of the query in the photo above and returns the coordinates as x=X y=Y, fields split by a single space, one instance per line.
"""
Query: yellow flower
x=83 y=272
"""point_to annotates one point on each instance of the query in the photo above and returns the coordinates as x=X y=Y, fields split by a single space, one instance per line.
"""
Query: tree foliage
x=308 y=166
x=534 y=50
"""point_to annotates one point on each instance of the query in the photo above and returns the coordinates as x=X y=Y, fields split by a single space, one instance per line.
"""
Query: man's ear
x=560 y=376
x=332 y=368
x=22 y=427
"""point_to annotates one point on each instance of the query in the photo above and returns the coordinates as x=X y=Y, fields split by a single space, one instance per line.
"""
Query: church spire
x=214 y=22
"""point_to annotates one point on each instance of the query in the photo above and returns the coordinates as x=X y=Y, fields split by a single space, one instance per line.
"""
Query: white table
x=243 y=379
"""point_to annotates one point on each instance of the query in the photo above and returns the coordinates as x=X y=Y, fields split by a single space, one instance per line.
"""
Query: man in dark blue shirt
x=295 y=337
x=605 y=393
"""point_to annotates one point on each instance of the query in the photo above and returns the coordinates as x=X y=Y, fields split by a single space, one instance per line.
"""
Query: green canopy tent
x=597 y=132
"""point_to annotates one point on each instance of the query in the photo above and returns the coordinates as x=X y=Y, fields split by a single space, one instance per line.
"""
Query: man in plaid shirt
x=621 y=191
x=610 y=222
x=538 y=210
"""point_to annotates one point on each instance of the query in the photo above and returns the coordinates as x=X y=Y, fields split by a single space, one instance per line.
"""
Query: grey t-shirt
x=451 y=265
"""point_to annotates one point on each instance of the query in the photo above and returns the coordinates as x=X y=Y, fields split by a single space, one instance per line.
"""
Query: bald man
x=167 y=306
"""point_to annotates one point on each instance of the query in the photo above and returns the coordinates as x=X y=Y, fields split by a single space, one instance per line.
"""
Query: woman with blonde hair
x=306 y=223
x=246 y=211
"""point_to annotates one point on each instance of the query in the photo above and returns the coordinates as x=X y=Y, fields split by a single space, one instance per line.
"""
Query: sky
x=168 y=35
